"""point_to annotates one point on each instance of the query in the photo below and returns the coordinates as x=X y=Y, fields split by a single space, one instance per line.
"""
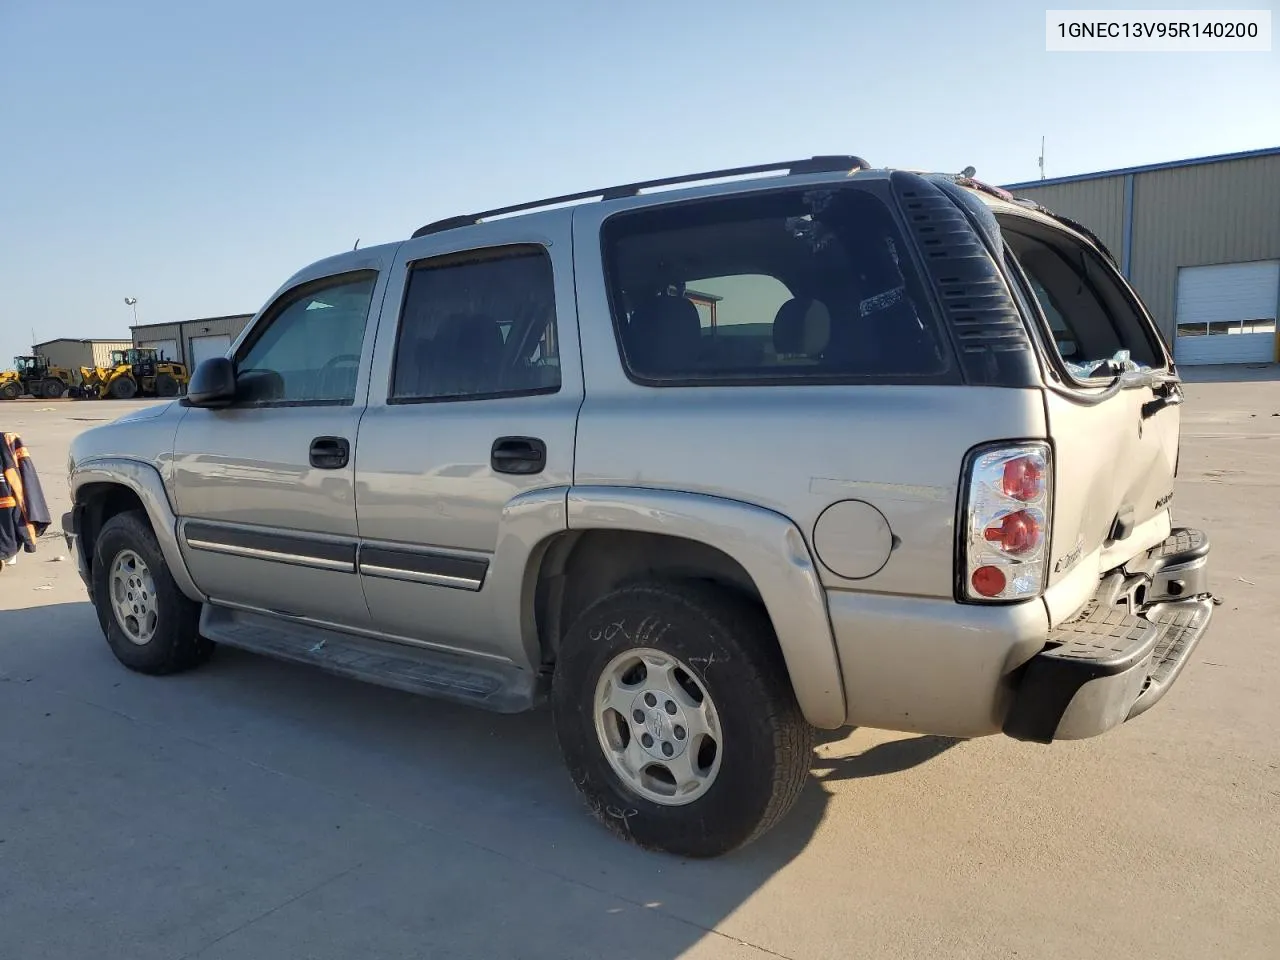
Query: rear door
x=472 y=410
x=1112 y=406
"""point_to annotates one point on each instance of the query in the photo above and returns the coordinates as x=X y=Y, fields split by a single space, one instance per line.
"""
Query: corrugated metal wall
x=73 y=354
x=228 y=326
x=1098 y=204
x=1191 y=216
x=80 y=353
x=153 y=333
x=102 y=351
x=1187 y=216
x=183 y=332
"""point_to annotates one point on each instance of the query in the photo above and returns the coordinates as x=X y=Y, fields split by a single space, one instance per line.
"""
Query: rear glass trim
x=1044 y=336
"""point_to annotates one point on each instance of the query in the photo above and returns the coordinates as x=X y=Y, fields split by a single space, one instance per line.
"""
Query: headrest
x=468 y=335
x=664 y=335
x=802 y=326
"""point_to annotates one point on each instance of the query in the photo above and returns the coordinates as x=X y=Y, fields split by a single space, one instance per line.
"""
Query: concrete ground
x=257 y=810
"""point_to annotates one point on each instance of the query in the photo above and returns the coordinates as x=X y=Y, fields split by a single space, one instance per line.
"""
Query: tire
x=123 y=388
x=166 y=386
x=54 y=389
x=166 y=637
x=726 y=646
x=10 y=391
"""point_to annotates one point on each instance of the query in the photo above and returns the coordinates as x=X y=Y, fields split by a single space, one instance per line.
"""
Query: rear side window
x=477 y=326
x=1097 y=328
x=788 y=286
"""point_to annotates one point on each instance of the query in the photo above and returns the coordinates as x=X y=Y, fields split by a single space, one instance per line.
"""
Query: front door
x=473 y=404
x=265 y=488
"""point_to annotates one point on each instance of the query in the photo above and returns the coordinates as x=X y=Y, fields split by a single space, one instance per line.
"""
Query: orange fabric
x=15 y=483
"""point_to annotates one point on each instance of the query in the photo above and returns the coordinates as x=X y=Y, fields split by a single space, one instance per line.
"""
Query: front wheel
x=10 y=390
x=123 y=388
x=677 y=720
x=151 y=626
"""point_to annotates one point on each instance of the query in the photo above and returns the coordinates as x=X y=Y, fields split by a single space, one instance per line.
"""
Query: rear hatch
x=1112 y=405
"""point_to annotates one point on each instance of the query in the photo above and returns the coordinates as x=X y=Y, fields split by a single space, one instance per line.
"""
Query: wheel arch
x=614 y=535
x=104 y=488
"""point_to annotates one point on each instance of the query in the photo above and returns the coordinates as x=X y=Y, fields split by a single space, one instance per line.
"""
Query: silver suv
x=706 y=468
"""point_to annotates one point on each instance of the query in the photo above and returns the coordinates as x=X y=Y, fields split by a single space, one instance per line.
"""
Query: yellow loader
x=137 y=372
x=37 y=377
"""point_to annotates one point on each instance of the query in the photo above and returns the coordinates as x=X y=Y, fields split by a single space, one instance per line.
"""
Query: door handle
x=330 y=453
x=519 y=455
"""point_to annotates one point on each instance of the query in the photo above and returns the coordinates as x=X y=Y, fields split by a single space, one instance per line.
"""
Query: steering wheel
x=334 y=361
x=330 y=383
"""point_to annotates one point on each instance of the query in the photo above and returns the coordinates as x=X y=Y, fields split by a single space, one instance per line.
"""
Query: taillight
x=1006 y=519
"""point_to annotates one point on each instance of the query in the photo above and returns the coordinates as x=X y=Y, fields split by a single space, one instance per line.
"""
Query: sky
x=195 y=155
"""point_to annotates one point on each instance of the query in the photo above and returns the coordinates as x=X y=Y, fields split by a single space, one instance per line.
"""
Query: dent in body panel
x=930 y=665
x=797 y=450
x=1108 y=459
x=768 y=547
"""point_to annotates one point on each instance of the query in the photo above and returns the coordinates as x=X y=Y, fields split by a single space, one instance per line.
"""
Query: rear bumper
x=1123 y=652
x=933 y=666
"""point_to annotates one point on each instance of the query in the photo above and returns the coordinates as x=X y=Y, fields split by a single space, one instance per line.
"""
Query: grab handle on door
x=518 y=455
x=330 y=453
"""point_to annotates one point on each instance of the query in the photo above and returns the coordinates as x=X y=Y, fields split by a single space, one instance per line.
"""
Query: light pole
x=133 y=302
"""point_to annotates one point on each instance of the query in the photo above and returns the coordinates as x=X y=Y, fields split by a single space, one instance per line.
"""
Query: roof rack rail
x=824 y=164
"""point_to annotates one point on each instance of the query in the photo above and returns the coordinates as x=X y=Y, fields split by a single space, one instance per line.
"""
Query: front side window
x=792 y=286
x=477 y=326
x=309 y=349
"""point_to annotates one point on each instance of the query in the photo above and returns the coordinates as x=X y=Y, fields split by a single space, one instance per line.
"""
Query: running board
x=499 y=687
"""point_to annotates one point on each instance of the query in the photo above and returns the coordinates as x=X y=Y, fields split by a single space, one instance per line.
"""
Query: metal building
x=75 y=354
x=191 y=341
x=1200 y=241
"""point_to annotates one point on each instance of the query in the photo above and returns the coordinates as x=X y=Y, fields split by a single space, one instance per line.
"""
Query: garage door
x=167 y=349
x=202 y=348
x=1227 y=313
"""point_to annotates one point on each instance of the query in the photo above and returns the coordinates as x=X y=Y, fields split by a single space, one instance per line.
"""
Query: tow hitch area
x=1124 y=650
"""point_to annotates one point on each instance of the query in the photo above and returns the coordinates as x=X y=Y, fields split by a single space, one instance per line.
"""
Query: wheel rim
x=658 y=727
x=133 y=597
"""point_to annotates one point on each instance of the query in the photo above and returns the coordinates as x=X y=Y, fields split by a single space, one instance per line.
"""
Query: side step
x=501 y=688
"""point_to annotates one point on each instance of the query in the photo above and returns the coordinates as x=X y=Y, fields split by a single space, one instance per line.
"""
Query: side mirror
x=213 y=385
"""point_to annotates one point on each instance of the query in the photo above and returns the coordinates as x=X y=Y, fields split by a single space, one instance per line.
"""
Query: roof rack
x=825 y=164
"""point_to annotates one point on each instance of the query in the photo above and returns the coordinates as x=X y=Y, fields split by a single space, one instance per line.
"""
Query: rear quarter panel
x=792 y=449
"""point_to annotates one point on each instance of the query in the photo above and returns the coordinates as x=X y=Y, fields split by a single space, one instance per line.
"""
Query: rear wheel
x=54 y=389
x=10 y=390
x=677 y=720
x=166 y=386
x=150 y=625
x=123 y=388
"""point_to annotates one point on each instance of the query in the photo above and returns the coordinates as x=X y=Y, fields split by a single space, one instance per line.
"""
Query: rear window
x=1096 y=327
x=798 y=285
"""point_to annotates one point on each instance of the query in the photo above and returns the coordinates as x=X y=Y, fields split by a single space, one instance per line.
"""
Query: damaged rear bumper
x=1123 y=651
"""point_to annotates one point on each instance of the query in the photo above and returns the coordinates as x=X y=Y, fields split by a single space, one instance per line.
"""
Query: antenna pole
x=1042 y=158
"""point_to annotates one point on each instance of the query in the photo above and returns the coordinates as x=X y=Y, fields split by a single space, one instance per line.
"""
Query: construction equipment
x=35 y=376
x=135 y=372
